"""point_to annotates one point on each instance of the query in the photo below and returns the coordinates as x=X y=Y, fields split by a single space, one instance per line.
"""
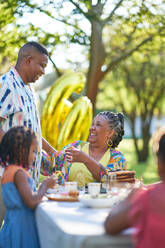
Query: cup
x=94 y=189
x=70 y=186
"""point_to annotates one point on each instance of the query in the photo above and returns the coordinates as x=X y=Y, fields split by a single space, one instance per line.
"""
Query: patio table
x=71 y=225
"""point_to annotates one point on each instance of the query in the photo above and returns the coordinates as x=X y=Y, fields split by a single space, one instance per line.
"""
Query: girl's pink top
x=148 y=217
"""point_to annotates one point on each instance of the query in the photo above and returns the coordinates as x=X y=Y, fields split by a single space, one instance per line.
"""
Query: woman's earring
x=109 y=143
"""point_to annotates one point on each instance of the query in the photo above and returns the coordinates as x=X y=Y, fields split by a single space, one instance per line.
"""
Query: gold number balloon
x=63 y=122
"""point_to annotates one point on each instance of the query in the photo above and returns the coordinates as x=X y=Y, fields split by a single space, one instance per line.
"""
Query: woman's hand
x=73 y=154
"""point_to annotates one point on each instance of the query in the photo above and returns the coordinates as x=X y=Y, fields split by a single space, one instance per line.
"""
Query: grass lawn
x=147 y=170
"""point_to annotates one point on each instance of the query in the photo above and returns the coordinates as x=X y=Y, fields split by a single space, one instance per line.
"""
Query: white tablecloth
x=71 y=225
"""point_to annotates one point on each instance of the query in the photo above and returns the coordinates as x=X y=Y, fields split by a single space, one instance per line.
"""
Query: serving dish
x=102 y=201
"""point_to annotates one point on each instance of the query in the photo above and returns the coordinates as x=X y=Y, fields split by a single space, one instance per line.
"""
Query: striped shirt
x=18 y=108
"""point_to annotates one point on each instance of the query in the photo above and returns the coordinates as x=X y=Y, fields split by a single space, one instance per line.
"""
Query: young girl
x=17 y=153
x=144 y=209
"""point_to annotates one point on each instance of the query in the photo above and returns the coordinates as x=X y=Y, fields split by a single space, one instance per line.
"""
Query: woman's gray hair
x=116 y=123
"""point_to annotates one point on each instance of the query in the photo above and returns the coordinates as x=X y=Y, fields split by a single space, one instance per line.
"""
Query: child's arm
x=30 y=198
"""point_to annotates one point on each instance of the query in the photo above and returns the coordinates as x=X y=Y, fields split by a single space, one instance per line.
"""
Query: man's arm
x=1 y=130
x=47 y=147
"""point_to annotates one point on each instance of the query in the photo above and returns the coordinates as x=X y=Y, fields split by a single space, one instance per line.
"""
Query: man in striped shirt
x=17 y=100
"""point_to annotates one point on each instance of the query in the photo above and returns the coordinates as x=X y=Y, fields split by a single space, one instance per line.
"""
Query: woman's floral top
x=55 y=162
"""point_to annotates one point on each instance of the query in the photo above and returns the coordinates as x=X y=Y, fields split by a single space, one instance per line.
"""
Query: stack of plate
x=124 y=176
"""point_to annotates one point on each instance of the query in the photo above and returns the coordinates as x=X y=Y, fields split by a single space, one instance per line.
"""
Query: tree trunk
x=132 y=119
x=97 y=58
x=144 y=152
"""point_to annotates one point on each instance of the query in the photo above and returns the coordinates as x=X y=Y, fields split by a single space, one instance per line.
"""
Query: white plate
x=52 y=190
x=63 y=198
x=56 y=189
x=102 y=201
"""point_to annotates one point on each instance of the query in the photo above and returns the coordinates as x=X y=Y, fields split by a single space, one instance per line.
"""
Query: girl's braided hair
x=15 y=146
x=116 y=123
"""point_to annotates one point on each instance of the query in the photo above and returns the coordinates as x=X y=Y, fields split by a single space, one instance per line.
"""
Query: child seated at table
x=144 y=209
x=17 y=153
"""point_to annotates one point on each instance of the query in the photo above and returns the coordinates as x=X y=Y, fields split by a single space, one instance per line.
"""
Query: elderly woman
x=86 y=162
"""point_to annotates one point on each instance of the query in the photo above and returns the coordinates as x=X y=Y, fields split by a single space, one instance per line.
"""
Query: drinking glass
x=138 y=183
x=80 y=178
x=110 y=181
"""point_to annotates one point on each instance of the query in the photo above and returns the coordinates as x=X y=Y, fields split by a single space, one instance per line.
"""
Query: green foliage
x=109 y=31
x=137 y=15
x=122 y=22
x=11 y=35
x=14 y=35
x=136 y=85
x=137 y=89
